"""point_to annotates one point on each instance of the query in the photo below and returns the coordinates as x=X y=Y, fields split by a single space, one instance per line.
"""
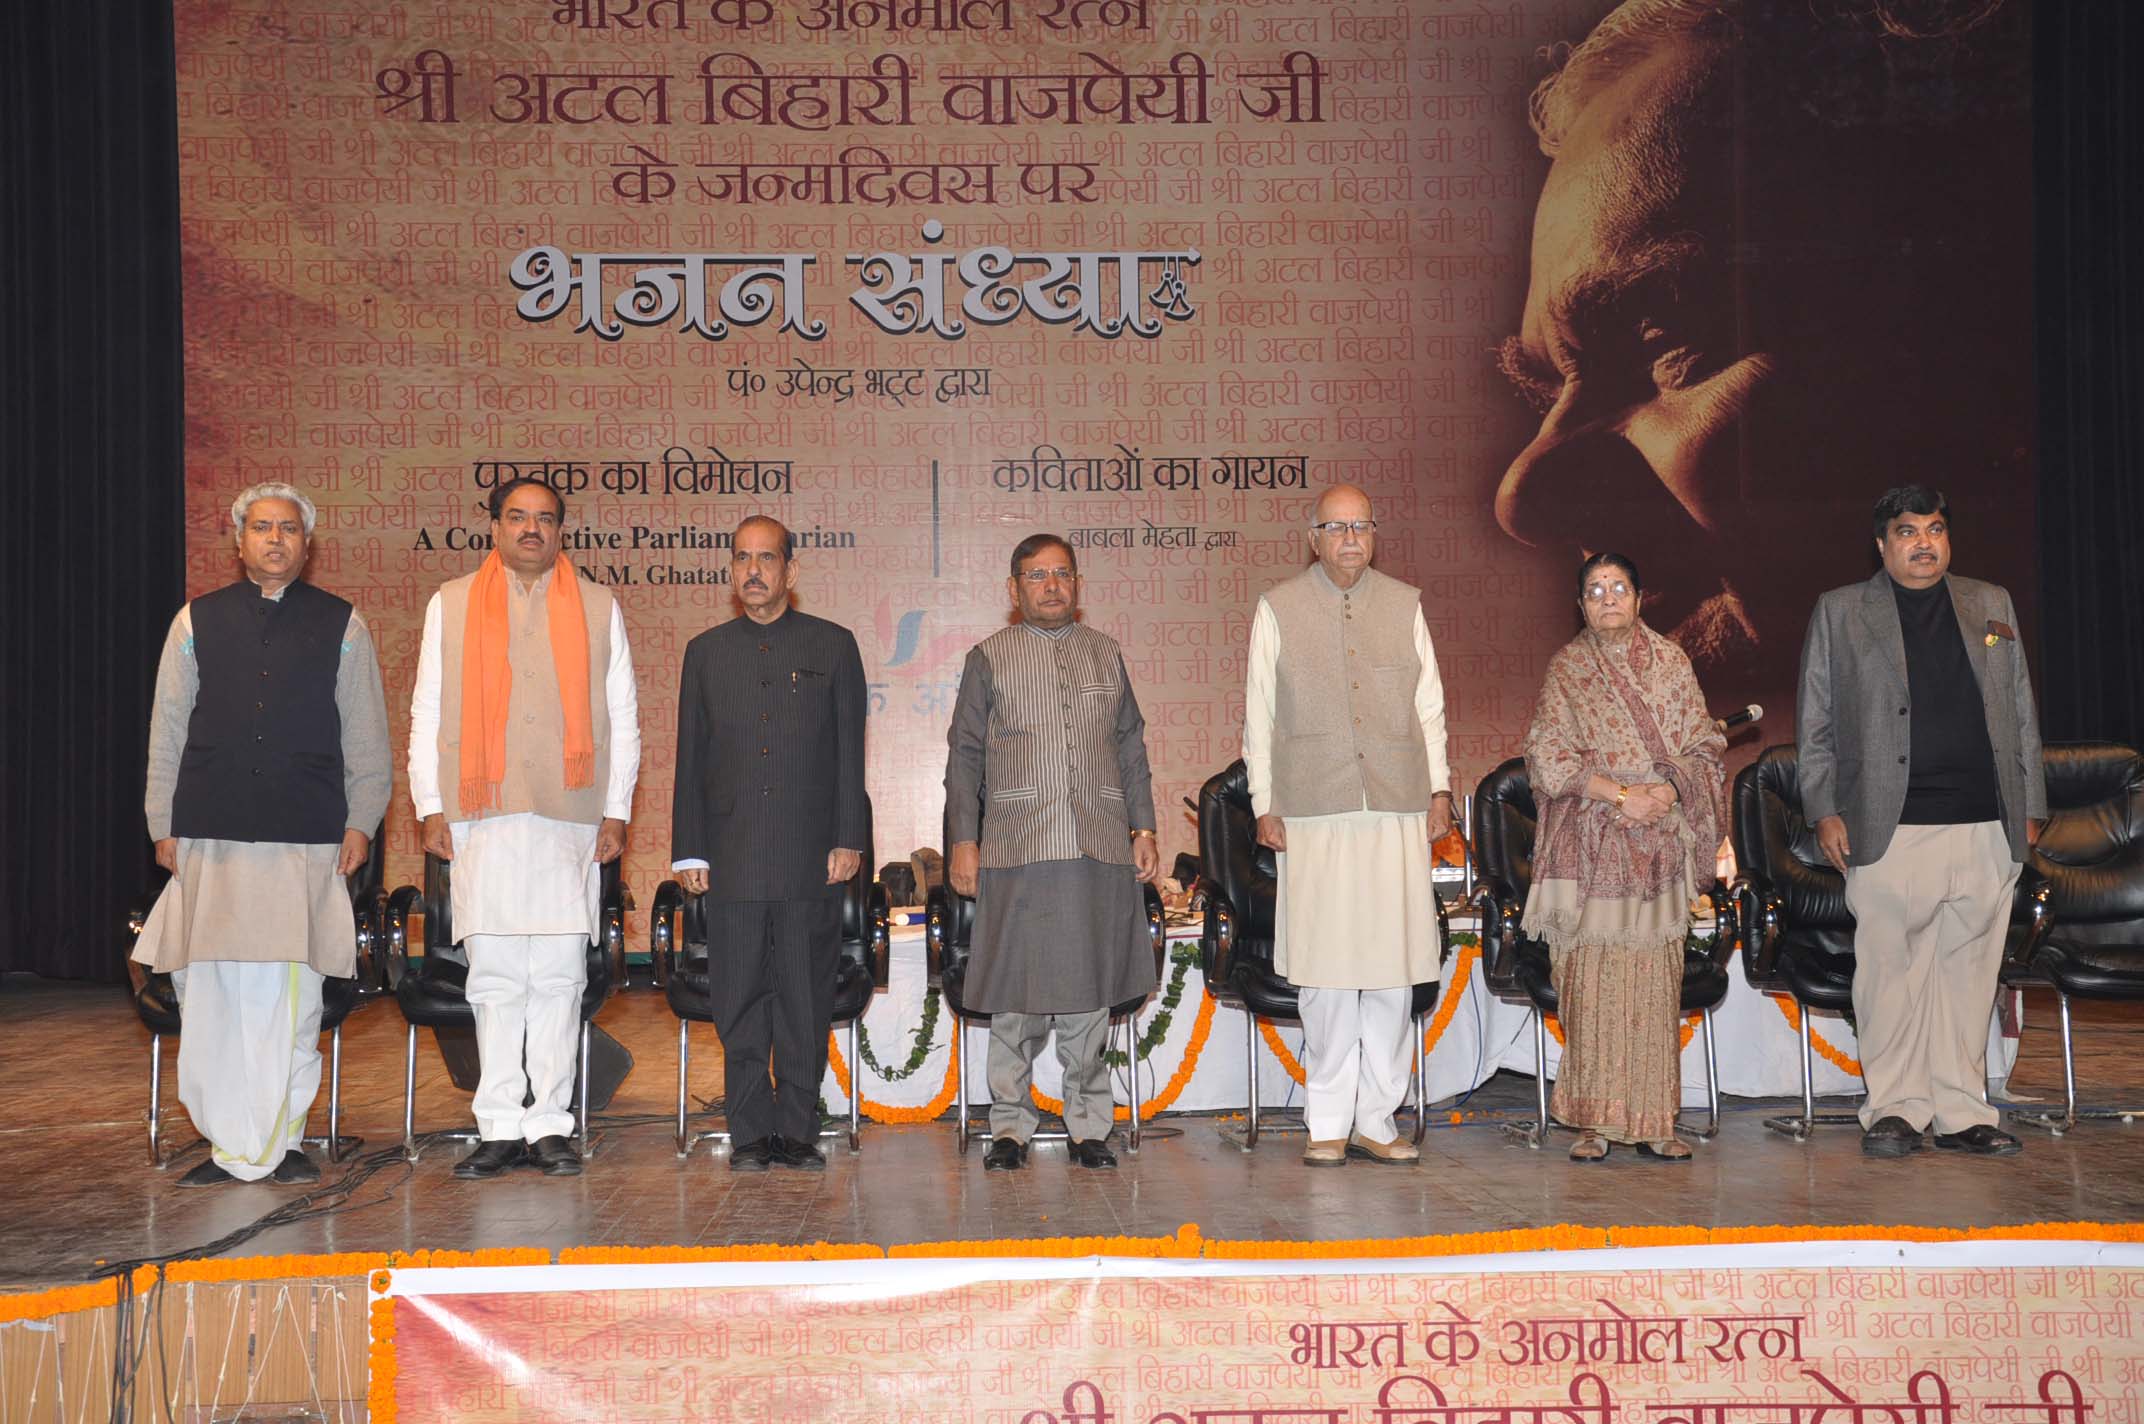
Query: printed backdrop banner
x=1823 y=1334
x=921 y=277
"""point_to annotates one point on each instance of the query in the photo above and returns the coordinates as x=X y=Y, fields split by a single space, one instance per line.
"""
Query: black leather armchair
x=1236 y=945
x=949 y=919
x=432 y=988
x=156 y=1001
x=677 y=940
x=1505 y=820
x=2080 y=928
x=1797 y=933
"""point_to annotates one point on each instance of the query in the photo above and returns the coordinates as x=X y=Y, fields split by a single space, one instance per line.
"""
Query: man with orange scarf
x=522 y=772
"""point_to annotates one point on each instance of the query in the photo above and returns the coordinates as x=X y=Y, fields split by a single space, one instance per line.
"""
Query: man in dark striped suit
x=769 y=822
x=1047 y=732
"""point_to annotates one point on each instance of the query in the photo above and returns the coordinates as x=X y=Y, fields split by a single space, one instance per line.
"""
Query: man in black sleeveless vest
x=268 y=774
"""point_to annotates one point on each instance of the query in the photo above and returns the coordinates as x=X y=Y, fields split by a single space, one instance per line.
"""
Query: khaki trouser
x=1928 y=943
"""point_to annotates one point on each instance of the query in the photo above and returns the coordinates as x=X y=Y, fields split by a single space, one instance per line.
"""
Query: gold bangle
x=1138 y=833
x=1620 y=793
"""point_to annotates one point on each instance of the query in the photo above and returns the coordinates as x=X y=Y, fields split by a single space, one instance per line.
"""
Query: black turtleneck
x=1951 y=776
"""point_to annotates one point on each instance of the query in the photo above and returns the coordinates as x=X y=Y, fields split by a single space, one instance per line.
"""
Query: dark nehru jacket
x=770 y=757
x=1951 y=777
x=263 y=758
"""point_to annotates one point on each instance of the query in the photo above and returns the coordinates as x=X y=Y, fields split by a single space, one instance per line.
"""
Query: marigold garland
x=1472 y=1243
x=1165 y=1097
x=1187 y=1244
x=886 y=1112
x=762 y=1251
x=1288 y=1061
x=380 y=1357
x=1831 y=1055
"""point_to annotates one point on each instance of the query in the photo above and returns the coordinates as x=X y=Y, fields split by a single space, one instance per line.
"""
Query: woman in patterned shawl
x=1625 y=766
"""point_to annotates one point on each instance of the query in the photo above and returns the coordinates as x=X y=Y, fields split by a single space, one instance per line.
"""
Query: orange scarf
x=488 y=682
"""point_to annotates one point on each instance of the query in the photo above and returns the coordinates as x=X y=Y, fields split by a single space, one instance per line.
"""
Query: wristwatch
x=1620 y=793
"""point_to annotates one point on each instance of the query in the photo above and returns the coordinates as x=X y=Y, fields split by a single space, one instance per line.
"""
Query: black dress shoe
x=803 y=1156
x=494 y=1157
x=753 y=1156
x=1093 y=1154
x=555 y=1156
x=1981 y=1141
x=295 y=1169
x=1006 y=1154
x=1891 y=1137
x=208 y=1174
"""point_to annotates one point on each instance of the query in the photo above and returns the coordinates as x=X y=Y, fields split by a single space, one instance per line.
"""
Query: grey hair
x=269 y=489
x=1625 y=36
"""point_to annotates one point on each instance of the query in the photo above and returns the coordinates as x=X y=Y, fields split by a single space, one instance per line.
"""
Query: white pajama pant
x=249 y=1058
x=526 y=994
x=1356 y=1057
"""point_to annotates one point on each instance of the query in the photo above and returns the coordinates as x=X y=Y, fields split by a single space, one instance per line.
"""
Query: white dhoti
x=1355 y=929
x=527 y=899
x=249 y=1058
x=245 y=929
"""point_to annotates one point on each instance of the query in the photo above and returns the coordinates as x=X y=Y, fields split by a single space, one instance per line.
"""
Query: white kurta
x=525 y=874
x=1355 y=907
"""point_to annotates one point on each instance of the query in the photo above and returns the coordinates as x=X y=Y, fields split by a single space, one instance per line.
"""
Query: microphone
x=1738 y=719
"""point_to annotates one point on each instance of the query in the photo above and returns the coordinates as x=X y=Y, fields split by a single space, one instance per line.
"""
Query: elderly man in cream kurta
x=268 y=774
x=1343 y=741
x=524 y=747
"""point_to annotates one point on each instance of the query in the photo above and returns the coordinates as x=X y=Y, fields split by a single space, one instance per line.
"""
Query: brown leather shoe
x=1396 y=1153
x=1326 y=1154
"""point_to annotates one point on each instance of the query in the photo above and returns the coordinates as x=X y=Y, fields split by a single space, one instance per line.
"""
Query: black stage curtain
x=91 y=411
x=2089 y=149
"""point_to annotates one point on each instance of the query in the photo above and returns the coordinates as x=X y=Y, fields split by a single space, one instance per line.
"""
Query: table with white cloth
x=907 y=1041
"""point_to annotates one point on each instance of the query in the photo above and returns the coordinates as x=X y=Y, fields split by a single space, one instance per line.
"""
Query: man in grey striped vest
x=1343 y=740
x=1050 y=828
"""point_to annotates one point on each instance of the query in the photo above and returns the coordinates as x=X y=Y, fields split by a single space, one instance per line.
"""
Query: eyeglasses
x=1346 y=526
x=1036 y=578
x=1596 y=592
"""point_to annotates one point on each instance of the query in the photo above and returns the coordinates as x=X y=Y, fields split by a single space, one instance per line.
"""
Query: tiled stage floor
x=75 y=1186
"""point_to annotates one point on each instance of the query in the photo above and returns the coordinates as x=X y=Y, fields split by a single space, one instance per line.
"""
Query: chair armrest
x=1157 y=926
x=937 y=924
x=662 y=930
x=369 y=909
x=137 y=921
x=1217 y=940
x=2032 y=909
x=394 y=932
x=878 y=935
x=1726 y=925
x=1500 y=936
x=1760 y=916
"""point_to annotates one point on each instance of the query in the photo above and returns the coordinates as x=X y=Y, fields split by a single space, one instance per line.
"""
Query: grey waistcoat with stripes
x=1050 y=755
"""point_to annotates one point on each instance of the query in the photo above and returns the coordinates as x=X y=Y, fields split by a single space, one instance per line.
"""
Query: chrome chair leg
x=1250 y=1057
x=2069 y=1069
x=335 y=1144
x=684 y=1055
x=409 y=1097
x=960 y=1077
x=1136 y=1059
x=156 y=1100
x=1534 y=1133
x=587 y=1144
x=1711 y=1129
x=1421 y=1082
x=856 y=1086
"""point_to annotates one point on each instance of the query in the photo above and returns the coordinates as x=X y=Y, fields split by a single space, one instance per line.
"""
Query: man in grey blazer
x=1046 y=731
x=1920 y=769
x=769 y=821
